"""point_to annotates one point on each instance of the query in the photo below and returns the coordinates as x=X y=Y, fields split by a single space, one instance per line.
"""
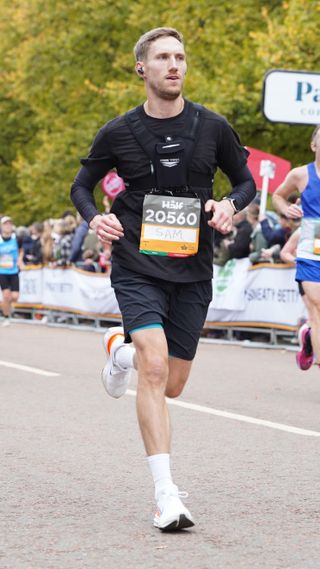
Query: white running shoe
x=114 y=378
x=171 y=514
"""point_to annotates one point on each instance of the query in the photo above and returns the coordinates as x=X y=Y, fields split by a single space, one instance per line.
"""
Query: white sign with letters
x=292 y=97
x=271 y=297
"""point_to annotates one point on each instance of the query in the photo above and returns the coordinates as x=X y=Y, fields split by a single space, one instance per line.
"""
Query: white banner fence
x=259 y=296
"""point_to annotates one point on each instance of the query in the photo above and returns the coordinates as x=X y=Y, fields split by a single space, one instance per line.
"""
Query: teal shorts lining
x=156 y=325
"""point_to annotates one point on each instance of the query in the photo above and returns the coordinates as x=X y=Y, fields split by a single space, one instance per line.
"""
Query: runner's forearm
x=243 y=188
x=280 y=204
x=82 y=194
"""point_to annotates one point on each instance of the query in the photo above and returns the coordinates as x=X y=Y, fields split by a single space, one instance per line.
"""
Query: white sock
x=160 y=470
x=123 y=356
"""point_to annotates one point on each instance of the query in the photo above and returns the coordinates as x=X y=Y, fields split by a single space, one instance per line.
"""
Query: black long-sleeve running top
x=217 y=145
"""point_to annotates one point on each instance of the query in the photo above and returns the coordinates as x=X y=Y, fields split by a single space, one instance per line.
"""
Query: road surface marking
x=29 y=369
x=192 y=406
x=242 y=418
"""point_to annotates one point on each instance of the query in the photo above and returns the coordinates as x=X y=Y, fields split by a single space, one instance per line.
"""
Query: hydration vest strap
x=147 y=139
x=143 y=136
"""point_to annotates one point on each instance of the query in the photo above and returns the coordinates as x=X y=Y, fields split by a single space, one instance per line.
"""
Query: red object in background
x=282 y=167
x=112 y=185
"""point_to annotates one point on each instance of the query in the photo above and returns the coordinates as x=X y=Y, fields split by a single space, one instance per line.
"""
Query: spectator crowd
x=259 y=237
x=63 y=242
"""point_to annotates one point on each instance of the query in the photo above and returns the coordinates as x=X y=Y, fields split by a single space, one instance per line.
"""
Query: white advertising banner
x=292 y=97
x=67 y=289
x=261 y=296
x=31 y=286
x=229 y=285
x=271 y=297
x=76 y=290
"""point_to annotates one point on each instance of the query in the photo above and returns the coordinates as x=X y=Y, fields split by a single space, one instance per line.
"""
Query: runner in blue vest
x=167 y=151
x=306 y=179
x=10 y=260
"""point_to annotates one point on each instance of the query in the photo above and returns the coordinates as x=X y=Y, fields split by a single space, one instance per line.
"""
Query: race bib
x=316 y=240
x=6 y=262
x=309 y=242
x=170 y=226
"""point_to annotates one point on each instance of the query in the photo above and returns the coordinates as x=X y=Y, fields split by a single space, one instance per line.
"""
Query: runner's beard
x=170 y=96
x=167 y=95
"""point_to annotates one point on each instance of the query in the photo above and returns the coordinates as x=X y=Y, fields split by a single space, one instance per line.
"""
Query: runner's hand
x=21 y=265
x=222 y=215
x=107 y=228
x=294 y=210
x=266 y=253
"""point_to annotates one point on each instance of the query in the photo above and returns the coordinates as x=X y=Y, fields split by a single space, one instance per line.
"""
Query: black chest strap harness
x=170 y=156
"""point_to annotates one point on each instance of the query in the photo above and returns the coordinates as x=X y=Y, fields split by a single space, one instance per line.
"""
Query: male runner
x=306 y=179
x=167 y=151
x=10 y=260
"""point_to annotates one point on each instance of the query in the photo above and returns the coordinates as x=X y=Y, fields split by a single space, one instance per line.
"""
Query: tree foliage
x=67 y=68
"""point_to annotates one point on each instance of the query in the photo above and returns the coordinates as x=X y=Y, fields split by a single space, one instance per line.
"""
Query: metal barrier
x=221 y=331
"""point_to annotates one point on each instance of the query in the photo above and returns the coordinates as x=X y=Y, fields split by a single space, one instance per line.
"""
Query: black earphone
x=140 y=70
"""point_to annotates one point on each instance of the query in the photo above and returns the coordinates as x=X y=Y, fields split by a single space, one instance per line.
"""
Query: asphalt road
x=76 y=490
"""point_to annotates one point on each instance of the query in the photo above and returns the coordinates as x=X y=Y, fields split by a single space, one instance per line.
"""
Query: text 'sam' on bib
x=170 y=226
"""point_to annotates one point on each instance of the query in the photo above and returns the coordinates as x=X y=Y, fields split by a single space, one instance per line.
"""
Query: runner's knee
x=173 y=391
x=7 y=295
x=152 y=368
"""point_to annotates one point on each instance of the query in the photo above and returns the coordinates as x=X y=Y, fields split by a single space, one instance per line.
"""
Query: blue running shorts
x=308 y=270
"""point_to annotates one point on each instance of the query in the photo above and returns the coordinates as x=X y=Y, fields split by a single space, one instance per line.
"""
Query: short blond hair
x=141 y=48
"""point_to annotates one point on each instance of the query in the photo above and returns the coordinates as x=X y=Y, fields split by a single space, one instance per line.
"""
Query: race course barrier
x=244 y=295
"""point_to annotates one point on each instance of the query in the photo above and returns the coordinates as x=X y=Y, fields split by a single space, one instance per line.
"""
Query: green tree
x=288 y=42
x=16 y=117
x=68 y=68
x=59 y=68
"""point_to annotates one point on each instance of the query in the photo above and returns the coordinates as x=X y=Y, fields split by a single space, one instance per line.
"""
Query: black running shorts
x=181 y=308
x=10 y=282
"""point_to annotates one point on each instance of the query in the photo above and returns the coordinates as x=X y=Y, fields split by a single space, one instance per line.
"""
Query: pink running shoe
x=304 y=357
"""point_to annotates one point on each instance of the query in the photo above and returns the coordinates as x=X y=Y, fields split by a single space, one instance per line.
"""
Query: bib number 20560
x=170 y=226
